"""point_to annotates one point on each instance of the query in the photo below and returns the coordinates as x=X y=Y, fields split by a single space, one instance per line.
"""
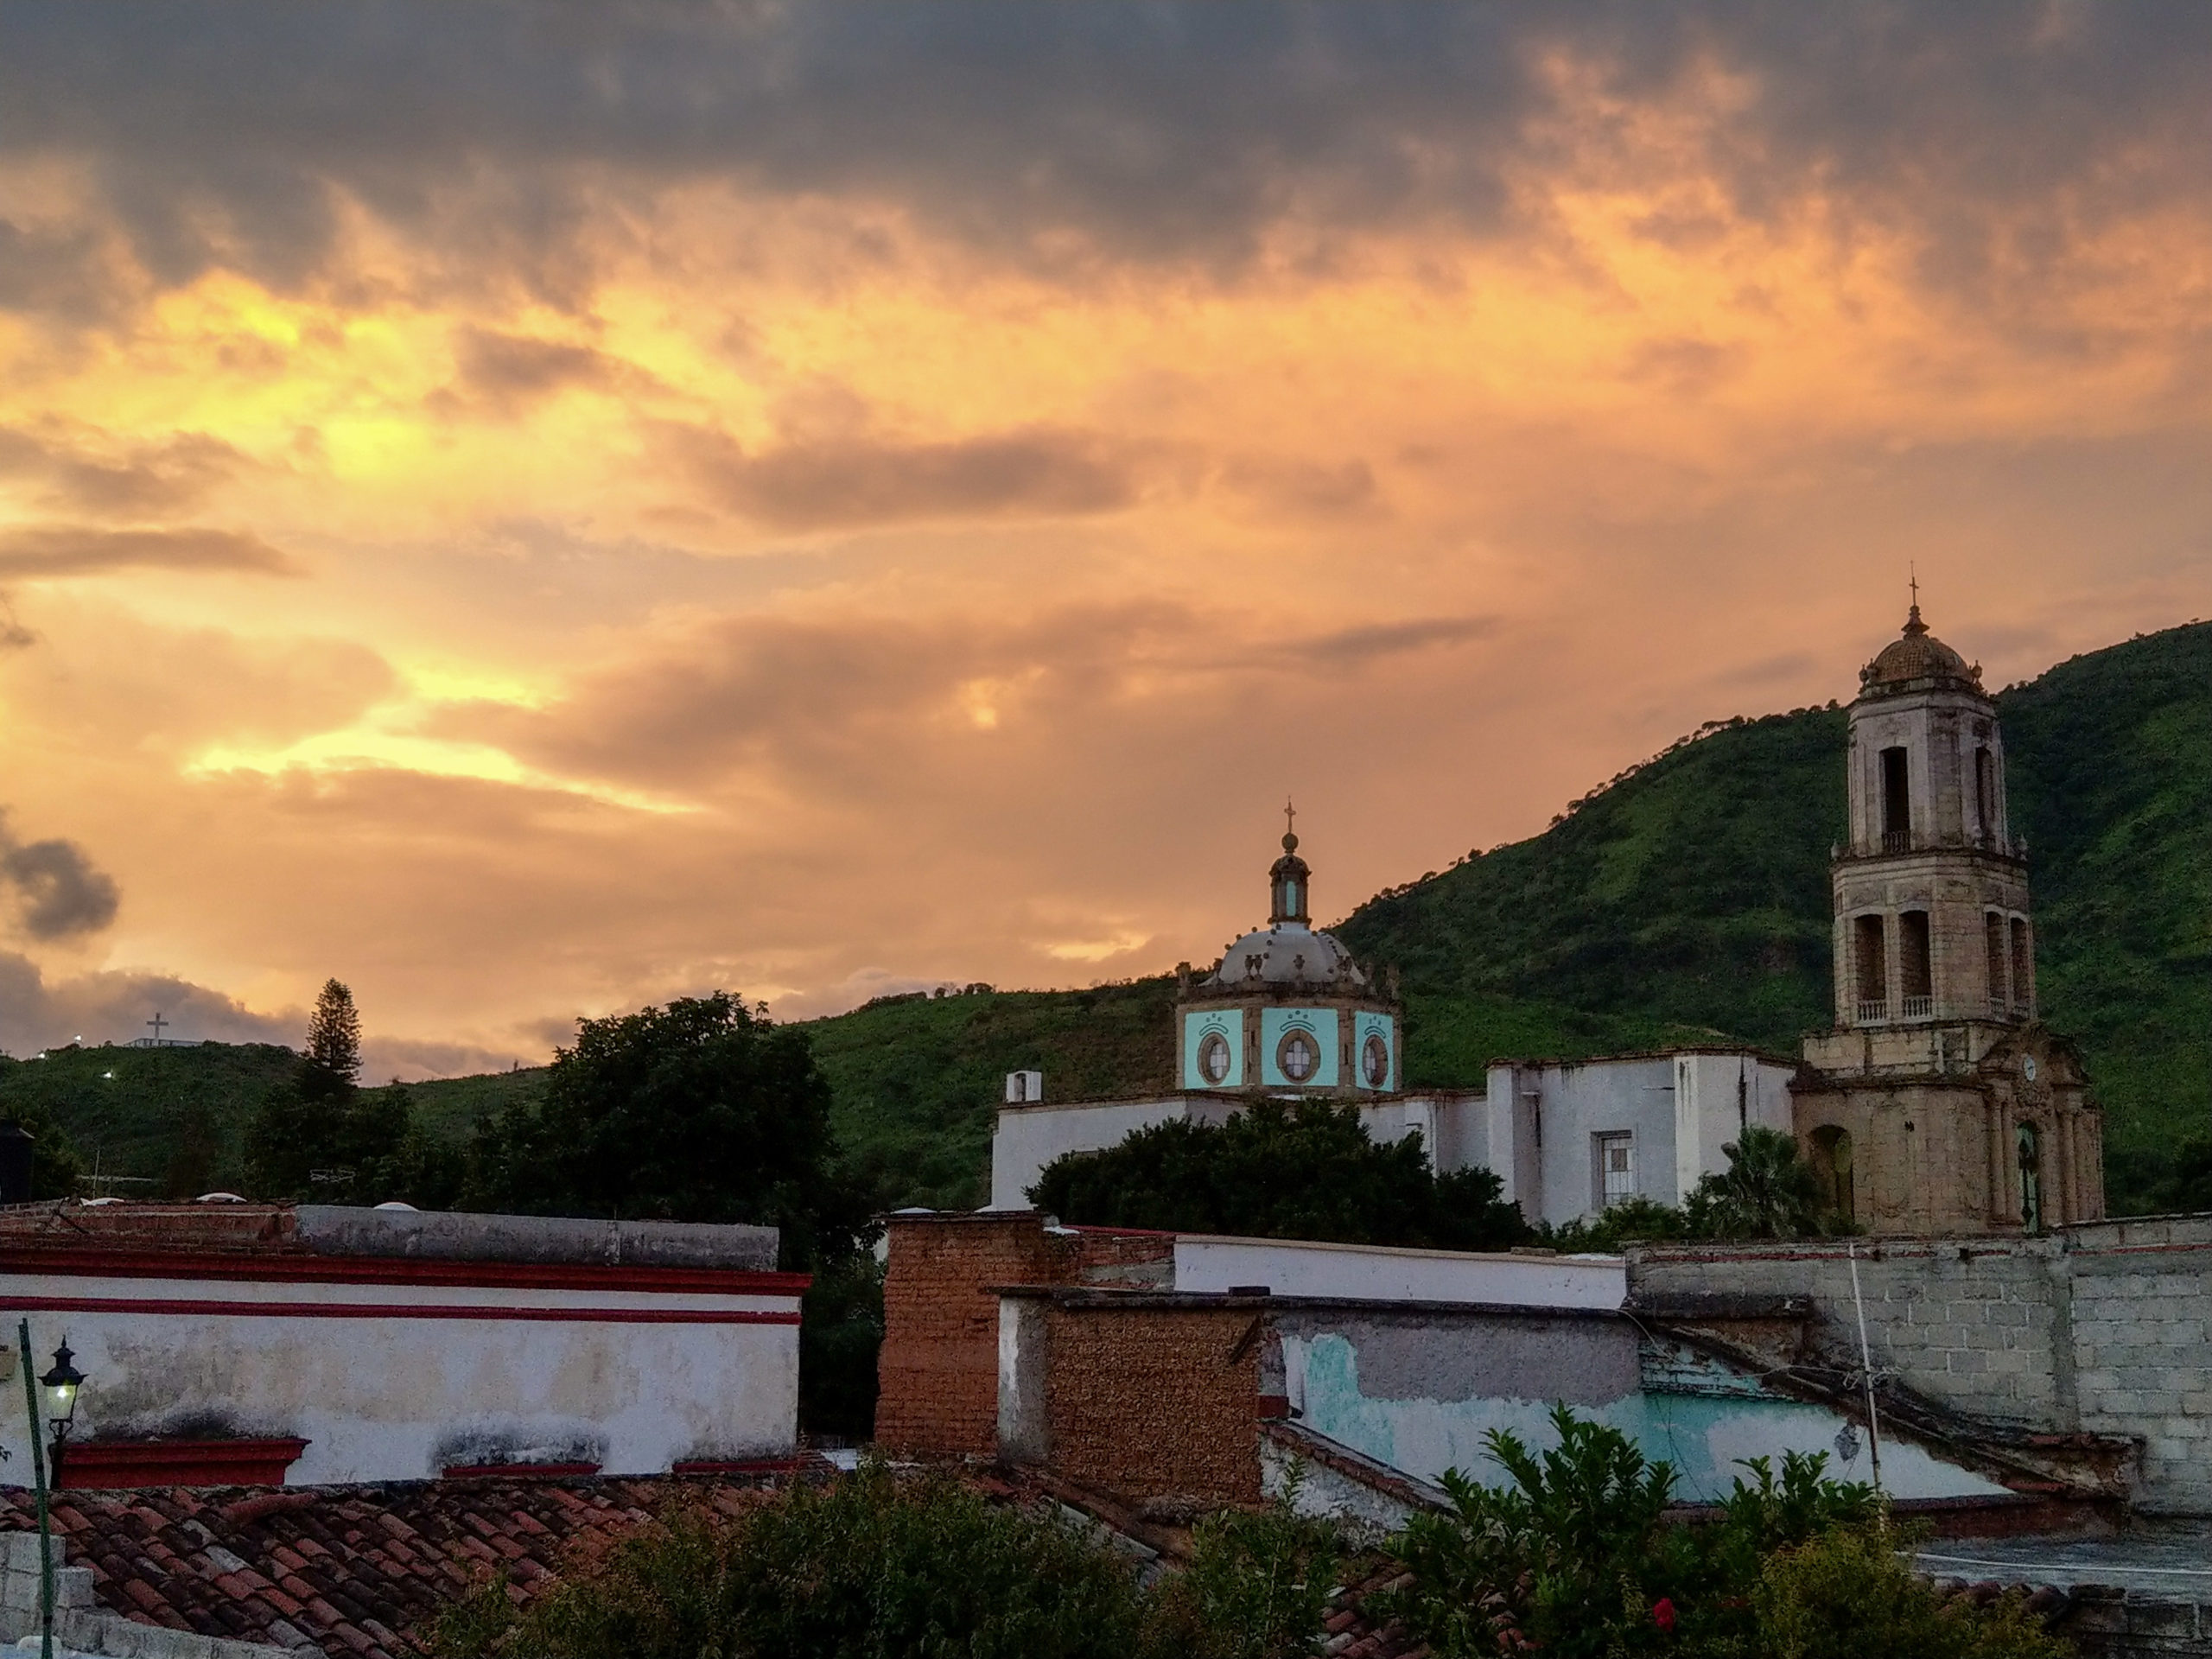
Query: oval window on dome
x=1297 y=1056
x=1375 y=1060
x=1213 y=1057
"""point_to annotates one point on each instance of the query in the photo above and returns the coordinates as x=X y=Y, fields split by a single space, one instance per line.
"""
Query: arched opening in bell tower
x=1831 y=1164
x=2031 y=1160
x=1897 y=802
x=1985 y=794
x=2022 y=967
x=1871 y=961
x=2000 y=996
x=1915 y=966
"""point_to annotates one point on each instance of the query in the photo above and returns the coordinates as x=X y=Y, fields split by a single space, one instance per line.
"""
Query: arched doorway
x=1831 y=1163
x=2029 y=1149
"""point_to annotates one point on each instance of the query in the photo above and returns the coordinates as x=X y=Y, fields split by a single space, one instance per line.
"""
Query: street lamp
x=60 y=1387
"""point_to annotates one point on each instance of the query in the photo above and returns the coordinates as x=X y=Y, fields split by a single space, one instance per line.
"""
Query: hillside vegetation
x=1686 y=899
x=1696 y=887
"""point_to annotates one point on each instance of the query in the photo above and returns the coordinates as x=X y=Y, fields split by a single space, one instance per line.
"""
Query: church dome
x=1917 y=654
x=1289 y=953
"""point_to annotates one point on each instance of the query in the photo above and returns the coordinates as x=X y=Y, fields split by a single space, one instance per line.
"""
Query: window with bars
x=1616 y=1169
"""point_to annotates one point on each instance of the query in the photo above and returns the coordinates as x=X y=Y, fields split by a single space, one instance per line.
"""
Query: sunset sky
x=533 y=509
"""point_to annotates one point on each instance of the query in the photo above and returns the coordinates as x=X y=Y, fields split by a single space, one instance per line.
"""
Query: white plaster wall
x=1715 y=1095
x=394 y=1395
x=1581 y=1101
x=1538 y=1125
x=1376 y=1272
x=1028 y=1138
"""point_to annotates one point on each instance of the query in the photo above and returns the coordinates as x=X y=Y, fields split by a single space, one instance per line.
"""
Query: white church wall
x=1716 y=1094
x=1026 y=1138
x=1383 y=1274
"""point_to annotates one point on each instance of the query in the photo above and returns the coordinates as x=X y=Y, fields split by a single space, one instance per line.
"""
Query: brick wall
x=2104 y=1327
x=1155 y=1401
x=939 y=1369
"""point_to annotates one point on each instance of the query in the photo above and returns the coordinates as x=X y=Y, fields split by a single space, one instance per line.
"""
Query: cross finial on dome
x=1912 y=623
x=1289 y=826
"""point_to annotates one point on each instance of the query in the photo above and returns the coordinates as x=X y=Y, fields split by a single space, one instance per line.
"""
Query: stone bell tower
x=1931 y=893
x=1939 y=1104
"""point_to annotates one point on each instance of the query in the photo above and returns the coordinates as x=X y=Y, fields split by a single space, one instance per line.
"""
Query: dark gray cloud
x=80 y=550
x=510 y=371
x=1179 y=132
x=37 y=1014
x=142 y=481
x=58 y=892
x=1364 y=645
x=838 y=701
x=834 y=482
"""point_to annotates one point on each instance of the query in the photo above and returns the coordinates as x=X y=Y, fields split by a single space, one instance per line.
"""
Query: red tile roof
x=365 y=1571
x=352 y=1570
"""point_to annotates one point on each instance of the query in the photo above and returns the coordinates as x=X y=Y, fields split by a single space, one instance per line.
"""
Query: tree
x=1767 y=1192
x=198 y=1143
x=705 y=1110
x=332 y=1064
x=702 y=1110
x=1306 y=1170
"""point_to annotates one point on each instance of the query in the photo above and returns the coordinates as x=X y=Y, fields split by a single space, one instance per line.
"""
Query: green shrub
x=874 y=1565
x=1573 y=1557
x=1846 y=1593
x=1257 y=1587
x=1577 y=1557
x=1305 y=1170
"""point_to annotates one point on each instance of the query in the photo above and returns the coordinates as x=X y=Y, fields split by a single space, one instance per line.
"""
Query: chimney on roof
x=16 y=1145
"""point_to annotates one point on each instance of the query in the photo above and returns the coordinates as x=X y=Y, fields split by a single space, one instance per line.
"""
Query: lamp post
x=38 y=1481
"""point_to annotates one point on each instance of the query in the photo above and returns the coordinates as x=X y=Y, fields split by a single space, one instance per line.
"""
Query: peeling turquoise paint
x=1703 y=1437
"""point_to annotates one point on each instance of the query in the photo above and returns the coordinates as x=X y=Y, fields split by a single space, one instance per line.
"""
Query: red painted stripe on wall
x=401 y=1270
x=399 y=1311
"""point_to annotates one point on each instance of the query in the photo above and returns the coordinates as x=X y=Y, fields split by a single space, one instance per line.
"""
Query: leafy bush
x=1577 y=1558
x=1257 y=1587
x=867 y=1566
x=874 y=1565
x=1305 y=1170
x=1847 y=1594
x=1573 y=1557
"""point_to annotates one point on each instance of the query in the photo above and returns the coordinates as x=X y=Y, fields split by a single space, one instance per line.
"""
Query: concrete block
x=2197 y=1405
x=73 y=1587
x=19 y=1552
x=2011 y=1314
x=1968 y=1362
x=19 y=1592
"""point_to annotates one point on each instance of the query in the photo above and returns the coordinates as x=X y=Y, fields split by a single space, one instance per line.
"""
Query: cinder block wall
x=1150 y=1402
x=2101 y=1328
x=2143 y=1348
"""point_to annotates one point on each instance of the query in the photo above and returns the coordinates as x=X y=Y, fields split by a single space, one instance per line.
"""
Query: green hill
x=1694 y=887
x=1687 y=898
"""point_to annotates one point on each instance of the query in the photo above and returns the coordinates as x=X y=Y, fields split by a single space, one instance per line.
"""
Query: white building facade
x=1287 y=1015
